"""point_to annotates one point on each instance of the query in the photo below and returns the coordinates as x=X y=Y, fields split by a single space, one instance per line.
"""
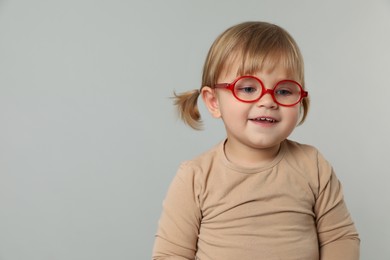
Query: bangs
x=266 y=52
x=252 y=63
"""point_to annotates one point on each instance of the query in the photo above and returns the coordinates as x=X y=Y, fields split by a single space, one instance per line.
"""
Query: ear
x=211 y=101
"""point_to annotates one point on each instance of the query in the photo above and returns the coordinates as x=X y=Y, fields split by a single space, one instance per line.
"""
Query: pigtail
x=187 y=105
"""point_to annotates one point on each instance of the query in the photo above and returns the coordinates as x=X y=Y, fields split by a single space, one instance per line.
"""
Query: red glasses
x=250 y=89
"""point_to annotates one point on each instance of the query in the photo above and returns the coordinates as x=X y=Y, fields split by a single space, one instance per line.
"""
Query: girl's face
x=258 y=126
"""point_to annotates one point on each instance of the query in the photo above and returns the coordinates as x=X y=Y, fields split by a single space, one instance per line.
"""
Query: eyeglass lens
x=250 y=89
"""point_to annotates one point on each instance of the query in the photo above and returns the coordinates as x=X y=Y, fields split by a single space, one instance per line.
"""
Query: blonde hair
x=258 y=45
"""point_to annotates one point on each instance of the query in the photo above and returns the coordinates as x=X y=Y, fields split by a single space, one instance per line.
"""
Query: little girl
x=257 y=195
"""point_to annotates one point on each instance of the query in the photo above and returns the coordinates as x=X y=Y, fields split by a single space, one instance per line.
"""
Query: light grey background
x=89 y=140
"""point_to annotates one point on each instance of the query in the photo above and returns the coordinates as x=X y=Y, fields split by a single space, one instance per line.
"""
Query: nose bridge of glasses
x=270 y=92
x=271 y=98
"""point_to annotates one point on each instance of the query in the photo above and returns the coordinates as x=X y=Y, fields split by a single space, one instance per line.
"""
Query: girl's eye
x=283 y=92
x=247 y=86
x=248 y=89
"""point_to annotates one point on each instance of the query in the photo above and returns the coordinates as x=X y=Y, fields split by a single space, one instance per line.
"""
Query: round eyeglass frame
x=264 y=90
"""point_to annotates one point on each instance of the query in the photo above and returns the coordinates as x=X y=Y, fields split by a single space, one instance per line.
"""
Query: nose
x=267 y=100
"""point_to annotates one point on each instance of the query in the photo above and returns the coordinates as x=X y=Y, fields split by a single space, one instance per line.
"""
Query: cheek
x=293 y=115
x=233 y=109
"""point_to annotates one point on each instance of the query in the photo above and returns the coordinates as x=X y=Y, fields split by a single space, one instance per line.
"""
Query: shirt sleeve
x=177 y=234
x=338 y=238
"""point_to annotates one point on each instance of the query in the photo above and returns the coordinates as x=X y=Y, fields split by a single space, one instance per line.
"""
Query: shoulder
x=308 y=161
x=201 y=164
x=304 y=153
x=193 y=175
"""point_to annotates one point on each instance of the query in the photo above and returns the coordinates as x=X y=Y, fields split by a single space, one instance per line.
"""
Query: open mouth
x=264 y=119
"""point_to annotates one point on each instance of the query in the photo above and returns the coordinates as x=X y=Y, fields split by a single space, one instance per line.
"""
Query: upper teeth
x=264 y=119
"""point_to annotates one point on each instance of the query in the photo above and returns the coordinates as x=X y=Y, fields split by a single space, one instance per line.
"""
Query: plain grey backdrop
x=89 y=139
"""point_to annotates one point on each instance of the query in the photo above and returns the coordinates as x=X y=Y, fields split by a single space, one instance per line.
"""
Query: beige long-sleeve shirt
x=292 y=208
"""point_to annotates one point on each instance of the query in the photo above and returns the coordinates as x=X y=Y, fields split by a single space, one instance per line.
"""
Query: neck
x=248 y=156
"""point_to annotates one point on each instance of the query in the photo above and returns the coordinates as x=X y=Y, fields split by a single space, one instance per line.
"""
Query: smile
x=264 y=119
